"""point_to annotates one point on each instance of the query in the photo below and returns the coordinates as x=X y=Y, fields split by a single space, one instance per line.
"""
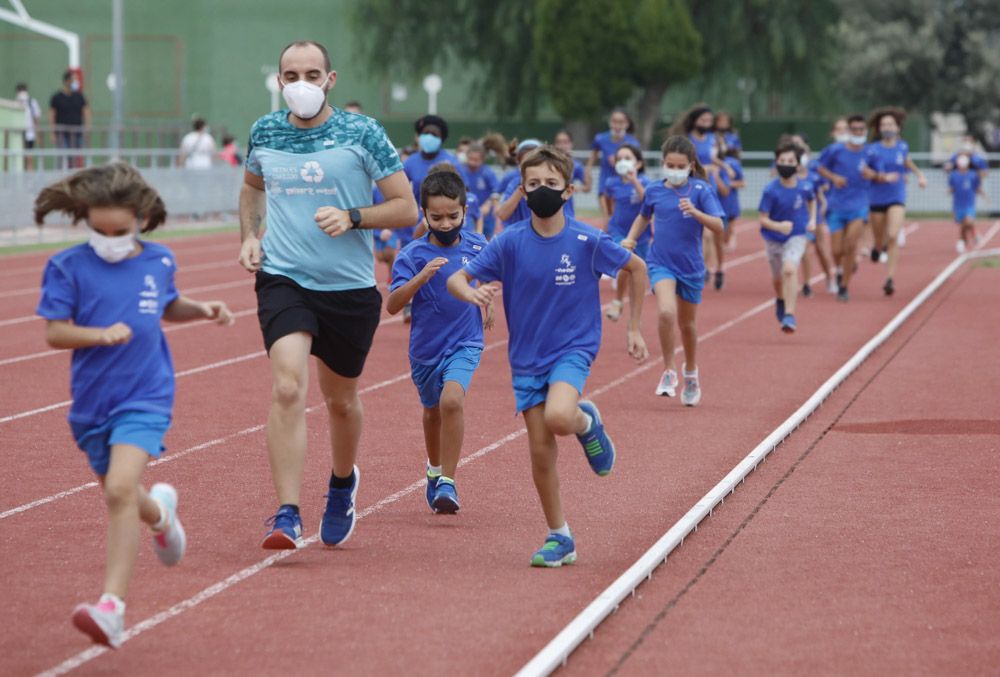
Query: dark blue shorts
x=141 y=429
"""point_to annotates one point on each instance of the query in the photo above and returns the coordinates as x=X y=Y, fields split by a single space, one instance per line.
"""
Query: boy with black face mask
x=550 y=267
x=446 y=335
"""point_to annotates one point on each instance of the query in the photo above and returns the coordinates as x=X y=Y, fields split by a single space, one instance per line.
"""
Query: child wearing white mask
x=104 y=300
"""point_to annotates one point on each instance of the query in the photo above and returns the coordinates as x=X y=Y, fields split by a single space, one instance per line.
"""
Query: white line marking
x=558 y=650
x=217 y=588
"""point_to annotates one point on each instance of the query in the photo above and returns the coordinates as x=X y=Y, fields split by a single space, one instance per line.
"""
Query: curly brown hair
x=112 y=185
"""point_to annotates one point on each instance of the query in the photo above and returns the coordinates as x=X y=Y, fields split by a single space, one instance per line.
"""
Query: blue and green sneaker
x=432 y=482
x=597 y=446
x=558 y=550
x=445 y=497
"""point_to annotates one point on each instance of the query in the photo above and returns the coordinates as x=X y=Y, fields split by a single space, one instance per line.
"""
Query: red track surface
x=412 y=592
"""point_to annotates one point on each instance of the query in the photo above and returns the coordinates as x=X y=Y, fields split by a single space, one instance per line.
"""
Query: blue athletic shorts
x=641 y=248
x=572 y=368
x=141 y=429
x=837 y=221
x=688 y=286
x=391 y=243
x=457 y=367
x=965 y=213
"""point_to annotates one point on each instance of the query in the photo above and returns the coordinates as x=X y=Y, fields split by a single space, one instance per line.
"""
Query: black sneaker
x=779 y=309
x=807 y=291
x=875 y=255
x=840 y=280
x=719 y=280
x=842 y=295
x=888 y=288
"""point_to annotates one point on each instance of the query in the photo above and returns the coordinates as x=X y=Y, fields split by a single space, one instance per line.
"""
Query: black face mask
x=787 y=171
x=545 y=202
x=703 y=130
x=447 y=237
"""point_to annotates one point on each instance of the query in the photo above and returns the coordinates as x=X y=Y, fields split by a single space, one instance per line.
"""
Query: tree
x=933 y=55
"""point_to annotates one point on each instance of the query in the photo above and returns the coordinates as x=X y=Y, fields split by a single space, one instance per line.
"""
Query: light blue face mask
x=429 y=143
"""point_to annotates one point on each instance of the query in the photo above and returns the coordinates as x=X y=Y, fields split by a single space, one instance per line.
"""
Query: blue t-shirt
x=305 y=169
x=440 y=323
x=893 y=159
x=786 y=204
x=840 y=159
x=473 y=210
x=819 y=185
x=732 y=140
x=676 y=235
x=963 y=186
x=608 y=147
x=706 y=149
x=977 y=162
x=578 y=174
x=482 y=183
x=731 y=203
x=551 y=291
x=627 y=204
x=511 y=176
x=136 y=376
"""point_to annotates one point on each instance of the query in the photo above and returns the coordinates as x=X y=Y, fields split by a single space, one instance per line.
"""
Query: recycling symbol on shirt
x=311 y=172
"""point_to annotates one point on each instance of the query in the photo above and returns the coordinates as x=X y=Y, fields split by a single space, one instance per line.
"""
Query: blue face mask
x=429 y=143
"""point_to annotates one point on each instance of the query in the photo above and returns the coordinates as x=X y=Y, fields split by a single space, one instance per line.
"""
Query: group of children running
x=480 y=236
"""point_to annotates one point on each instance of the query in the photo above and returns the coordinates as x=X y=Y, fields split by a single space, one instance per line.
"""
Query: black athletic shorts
x=342 y=323
x=882 y=209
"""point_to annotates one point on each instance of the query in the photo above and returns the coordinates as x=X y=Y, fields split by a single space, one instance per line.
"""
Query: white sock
x=691 y=374
x=590 y=423
x=164 y=520
x=433 y=469
x=840 y=270
x=115 y=599
x=562 y=531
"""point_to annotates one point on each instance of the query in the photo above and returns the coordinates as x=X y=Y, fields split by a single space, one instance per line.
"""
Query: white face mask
x=22 y=96
x=805 y=160
x=858 y=140
x=463 y=158
x=304 y=98
x=112 y=249
x=962 y=161
x=624 y=166
x=842 y=138
x=676 y=177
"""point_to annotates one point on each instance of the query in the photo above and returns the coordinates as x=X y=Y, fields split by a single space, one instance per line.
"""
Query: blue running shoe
x=339 y=517
x=445 y=497
x=432 y=482
x=788 y=324
x=558 y=550
x=779 y=309
x=597 y=445
x=286 y=530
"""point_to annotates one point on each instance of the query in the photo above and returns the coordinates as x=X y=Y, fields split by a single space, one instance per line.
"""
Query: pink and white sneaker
x=668 y=383
x=103 y=622
x=169 y=544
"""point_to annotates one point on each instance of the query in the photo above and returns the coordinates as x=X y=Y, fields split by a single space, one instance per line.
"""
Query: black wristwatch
x=355 y=215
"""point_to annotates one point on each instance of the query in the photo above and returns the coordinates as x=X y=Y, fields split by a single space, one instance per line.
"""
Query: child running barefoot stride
x=550 y=267
x=446 y=335
x=787 y=213
x=104 y=301
x=682 y=206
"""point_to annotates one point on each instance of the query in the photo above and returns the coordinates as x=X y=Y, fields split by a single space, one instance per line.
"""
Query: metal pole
x=118 y=110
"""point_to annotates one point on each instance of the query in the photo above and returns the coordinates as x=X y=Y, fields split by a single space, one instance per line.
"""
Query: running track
x=412 y=592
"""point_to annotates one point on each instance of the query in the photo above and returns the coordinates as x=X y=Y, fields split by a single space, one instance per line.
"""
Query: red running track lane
x=867 y=545
x=368 y=603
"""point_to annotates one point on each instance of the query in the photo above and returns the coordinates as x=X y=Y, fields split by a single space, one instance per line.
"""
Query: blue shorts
x=837 y=221
x=641 y=248
x=965 y=213
x=572 y=368
x=688 y=286
x=141 y=429
x=457 y=367
x=391 y=243
x=489 y=225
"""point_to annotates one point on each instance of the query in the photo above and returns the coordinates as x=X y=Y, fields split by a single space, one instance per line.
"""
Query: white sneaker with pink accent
x=170 y=542
x=103 y=622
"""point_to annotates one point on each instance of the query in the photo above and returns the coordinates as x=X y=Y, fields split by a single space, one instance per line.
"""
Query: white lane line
x=217 y=588
x=558 y=650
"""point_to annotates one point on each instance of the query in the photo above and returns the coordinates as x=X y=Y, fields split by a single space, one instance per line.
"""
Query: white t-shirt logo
x=565 y=272
x=311 y=172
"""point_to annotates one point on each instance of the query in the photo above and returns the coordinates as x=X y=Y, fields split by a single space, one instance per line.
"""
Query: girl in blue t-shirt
x=964 y=183
x=626 y=188
x=887 y=197
x=104 y=300
x=603 y=149
x=680 y=207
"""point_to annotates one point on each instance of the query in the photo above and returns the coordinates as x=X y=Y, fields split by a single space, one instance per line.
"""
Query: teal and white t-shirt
x=305 y=169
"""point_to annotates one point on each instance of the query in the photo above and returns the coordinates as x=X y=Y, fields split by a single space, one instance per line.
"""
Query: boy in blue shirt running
x=787 y=214
x=550 y=267
x=446 y=335
x=104 y=300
